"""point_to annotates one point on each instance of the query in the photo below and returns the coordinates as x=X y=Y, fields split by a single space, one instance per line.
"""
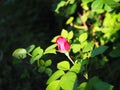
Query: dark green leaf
x=98 y=84
x=48 y=63
x=48 y=71
x=99 y=50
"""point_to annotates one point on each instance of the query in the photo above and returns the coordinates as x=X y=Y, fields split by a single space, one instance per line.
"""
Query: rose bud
x=63 y=44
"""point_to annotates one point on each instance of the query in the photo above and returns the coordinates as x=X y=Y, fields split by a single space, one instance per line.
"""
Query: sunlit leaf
x=83 y=37
x=51 y=49
x=69 y=20
x=64 y=65
x=20 y=53
x=88 y=47
x=68 y=81
x=36 y=54
x=64 y=33
x=59 y=5
x=54 y=85
x=76 y=68
x=76 y=47
x=70 y=35
x=55 y=76
x=82 y=86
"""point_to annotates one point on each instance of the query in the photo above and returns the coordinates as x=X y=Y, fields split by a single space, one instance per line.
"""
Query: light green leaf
x=54 y=39
x=68 y=81
x=64 y=33
x=99 y=50
x=88 y=47
x=70 y=35
x=72 y=1
x=86 y=1
x=97 y=5
x=48 y=63
x=83 y=37
x=50 y=49
x=30 y=48
x=54 y=85
x=55 y=76
x=36 y=54
x=20 y=53
x=64 y=65
x=82 y=86
x=76 y=47
x=76 y=67
x=59 y=5
x=69 y=20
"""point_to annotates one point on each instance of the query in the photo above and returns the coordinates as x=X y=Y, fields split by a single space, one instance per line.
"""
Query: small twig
x=83 y=22
x=76 y=26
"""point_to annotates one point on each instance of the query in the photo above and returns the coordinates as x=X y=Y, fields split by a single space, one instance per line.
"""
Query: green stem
x=67 y=54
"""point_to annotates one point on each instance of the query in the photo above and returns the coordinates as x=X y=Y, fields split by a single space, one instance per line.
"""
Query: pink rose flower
x=63 y=44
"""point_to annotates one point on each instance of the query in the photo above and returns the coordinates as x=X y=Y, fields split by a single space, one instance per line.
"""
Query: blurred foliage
x=91 y=26
x=22 y=23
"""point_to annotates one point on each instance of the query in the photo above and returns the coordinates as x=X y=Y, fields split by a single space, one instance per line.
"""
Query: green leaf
x=59 y=5
x=36 y=54
x=20 y=53
x=76 y=47
x=97 y=5
x=99 y=50
x=86 y=1
x=72 y=1
x=82 y=86
x=48 y=63
x=41 y=69
x=54 y=39
x=70 y=35
x=68 y=81
x=50 y=49
x=42 y=62
x=54 y=85
x=83 y=37
x=55 y=76
x=30 y=48
x=48 y=71
x=112 y=3
x=69 y=20
x=88 y=47
x=64 y=65
x=64 y=33
x=76 y=67
x=98 y=84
